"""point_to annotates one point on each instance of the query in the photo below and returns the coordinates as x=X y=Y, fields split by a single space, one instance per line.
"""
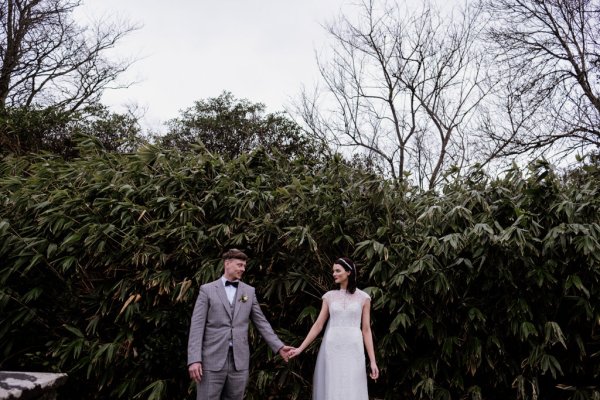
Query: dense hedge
x=487 y=289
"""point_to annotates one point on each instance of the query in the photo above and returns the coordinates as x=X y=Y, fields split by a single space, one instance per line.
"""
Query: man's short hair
x=234 y=253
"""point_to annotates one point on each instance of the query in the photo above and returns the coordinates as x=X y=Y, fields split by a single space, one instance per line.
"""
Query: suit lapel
x=223 y=296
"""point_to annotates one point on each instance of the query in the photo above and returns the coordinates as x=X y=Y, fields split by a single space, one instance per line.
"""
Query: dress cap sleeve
x=364 y=294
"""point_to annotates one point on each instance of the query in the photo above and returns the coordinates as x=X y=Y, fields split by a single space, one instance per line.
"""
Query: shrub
x=486 y=289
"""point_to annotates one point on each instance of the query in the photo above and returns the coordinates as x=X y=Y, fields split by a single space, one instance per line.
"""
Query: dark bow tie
x=229 y=283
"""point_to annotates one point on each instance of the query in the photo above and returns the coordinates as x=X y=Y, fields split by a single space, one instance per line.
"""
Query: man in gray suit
x=218 y=352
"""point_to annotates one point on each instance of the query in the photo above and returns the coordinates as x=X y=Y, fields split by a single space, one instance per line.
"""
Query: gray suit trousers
x=227 y=384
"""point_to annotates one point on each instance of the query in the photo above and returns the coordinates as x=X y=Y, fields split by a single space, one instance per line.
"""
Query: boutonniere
x=244 y=298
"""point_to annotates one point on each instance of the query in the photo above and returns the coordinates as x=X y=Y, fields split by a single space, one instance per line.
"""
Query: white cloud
x=262 y=50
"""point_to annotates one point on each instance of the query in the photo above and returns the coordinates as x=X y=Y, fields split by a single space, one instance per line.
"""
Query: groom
x=218 y=352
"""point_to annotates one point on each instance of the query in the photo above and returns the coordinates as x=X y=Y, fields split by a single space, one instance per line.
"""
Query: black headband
x=341 y=260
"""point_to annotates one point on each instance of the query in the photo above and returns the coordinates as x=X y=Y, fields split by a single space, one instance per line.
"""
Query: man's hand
x=195 y=370
x=284 y=352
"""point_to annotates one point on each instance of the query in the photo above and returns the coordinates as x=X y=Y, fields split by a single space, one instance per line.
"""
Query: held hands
x=294 y=352
x=284 y=352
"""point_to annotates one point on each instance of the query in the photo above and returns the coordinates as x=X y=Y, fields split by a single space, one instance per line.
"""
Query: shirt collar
x=223 y=280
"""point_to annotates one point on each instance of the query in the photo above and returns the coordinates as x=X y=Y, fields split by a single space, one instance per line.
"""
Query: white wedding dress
x=340 y=371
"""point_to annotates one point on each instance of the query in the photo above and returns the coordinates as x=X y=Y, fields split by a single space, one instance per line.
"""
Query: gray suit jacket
x=214 y=325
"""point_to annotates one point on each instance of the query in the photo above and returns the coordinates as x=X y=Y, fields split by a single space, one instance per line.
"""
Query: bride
x=340 y=371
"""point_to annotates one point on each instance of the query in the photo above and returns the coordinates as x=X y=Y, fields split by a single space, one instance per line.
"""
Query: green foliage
x=486 y=290
x=231 y=127
x=116 y=132
x=32 y=130
x=24 y=130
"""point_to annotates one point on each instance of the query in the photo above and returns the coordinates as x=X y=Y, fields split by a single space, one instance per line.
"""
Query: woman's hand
x=294 y=352
x=374 y=371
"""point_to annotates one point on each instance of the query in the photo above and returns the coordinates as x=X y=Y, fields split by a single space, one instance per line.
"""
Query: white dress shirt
x=229 y=290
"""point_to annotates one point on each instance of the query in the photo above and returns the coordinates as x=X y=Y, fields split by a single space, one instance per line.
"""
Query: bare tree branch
x=49 y=60
x=401 y=86
x=548 y=55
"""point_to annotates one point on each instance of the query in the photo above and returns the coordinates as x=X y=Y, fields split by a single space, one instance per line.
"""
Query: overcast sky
x=261 y=50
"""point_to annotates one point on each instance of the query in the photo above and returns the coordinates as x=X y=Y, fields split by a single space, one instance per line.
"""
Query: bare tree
x=402 y=87
x=49 y=60
x=548 y=56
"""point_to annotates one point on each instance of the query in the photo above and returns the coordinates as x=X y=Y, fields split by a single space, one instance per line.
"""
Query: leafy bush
x=487 y=289
x=26 y=130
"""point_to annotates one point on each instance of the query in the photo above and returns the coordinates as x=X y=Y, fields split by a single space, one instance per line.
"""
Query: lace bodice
x=345 y=309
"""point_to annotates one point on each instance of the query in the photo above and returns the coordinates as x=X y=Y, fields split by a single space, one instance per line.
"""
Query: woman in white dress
x=340 y=371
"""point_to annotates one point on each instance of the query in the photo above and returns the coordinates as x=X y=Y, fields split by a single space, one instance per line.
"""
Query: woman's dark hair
x=349 y=266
